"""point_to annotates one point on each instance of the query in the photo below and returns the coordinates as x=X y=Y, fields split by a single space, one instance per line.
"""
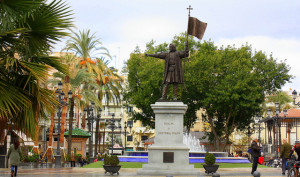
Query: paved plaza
x=74 y=172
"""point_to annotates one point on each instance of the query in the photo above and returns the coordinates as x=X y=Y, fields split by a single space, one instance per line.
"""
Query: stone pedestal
x=168 y=155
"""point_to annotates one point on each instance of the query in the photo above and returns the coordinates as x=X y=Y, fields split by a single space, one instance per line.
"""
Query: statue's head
x=172 y=47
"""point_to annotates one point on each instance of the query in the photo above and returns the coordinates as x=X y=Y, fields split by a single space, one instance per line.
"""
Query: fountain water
x=193 y=143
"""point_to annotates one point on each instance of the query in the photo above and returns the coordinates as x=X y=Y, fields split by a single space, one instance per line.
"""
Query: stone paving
x=84 y=172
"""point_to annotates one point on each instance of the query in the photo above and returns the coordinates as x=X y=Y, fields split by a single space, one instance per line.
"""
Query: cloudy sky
x=272 y=26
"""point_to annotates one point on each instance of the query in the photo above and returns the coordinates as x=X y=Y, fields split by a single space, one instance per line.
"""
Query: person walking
x=14 y=156
x=255 y=154
x=284 y=154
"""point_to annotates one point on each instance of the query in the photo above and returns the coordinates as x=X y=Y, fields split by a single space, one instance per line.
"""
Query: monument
x=169 y=155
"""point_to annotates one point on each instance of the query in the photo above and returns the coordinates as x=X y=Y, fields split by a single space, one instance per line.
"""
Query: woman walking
x=14 y=154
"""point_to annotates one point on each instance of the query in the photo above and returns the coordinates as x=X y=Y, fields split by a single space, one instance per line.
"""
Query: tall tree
x=85 y=45
x=28 y=30
x=228 y=83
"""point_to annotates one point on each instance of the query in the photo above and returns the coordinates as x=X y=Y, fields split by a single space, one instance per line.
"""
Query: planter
x=112 y=169
x=210 y=168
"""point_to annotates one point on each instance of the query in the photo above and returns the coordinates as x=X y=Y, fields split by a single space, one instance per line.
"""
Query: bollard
x=215 y=175
x=256 y=174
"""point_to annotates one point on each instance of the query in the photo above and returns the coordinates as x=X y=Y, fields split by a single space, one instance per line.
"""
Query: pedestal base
x=58 y=161
x=168 y=155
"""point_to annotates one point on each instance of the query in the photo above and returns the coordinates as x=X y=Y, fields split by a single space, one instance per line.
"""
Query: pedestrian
x=14 y=156
x=284 y=154
x=255 y=154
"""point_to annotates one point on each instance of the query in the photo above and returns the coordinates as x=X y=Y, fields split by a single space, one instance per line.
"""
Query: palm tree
x=84 y=45
x=28 y=29
x=74 y=84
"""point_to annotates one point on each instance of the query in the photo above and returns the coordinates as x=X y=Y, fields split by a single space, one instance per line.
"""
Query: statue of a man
x=173 y=73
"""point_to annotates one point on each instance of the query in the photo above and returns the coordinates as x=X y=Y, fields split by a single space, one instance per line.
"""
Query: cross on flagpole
x=189 y=9
x=187 y=35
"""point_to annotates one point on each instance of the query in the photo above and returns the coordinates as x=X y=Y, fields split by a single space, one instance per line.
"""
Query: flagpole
x=187 y=35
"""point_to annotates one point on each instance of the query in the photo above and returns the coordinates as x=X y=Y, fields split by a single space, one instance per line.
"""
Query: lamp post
x=269 y=126
x=90 y=118
x=112 y=126
x=60 y=95
x=257 y=121
x=276 y=118
x=97 y=129
x=294 y=93
x=249 y=134
x=126 y=125
x=278 y=123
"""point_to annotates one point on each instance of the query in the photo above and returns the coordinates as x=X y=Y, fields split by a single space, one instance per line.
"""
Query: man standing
x=173 y=73
x=284 y=154
x=255 y=154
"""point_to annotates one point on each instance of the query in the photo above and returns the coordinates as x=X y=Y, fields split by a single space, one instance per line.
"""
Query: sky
x=272 y=26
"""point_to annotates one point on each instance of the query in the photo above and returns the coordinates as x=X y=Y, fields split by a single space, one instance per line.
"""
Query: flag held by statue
x=196 y=27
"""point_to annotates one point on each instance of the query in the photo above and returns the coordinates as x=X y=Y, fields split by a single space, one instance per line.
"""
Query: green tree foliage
x=28 y=30
x=228 y=83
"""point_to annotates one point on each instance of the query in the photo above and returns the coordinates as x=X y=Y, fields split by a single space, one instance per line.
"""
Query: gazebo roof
x=293 y=112
x=78 y=133
x=292 y=117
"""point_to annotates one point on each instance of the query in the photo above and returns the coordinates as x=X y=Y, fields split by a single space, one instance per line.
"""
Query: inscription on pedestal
x=168 y=157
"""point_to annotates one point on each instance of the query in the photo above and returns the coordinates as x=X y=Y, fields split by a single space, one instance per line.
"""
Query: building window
x=47 y=138
x=55 y=139
x=144 y=138
x=130 y=122
x=129 y=138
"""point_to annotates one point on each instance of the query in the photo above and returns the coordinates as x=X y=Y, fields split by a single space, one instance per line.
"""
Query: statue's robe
x=176 y=57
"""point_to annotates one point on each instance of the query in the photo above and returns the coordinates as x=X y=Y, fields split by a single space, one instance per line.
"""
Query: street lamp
x=112 y=126
x=294 y=93
x=126 y=125
x=258 y=118
x=90 y=118
x=275 y=118
x=277 y=122
x=60 y=95
x=97 y=129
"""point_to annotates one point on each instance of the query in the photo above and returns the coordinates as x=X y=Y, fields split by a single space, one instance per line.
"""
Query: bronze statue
x=173 y=73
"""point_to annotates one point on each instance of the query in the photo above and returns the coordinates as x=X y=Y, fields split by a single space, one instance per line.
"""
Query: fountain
x=193 y=143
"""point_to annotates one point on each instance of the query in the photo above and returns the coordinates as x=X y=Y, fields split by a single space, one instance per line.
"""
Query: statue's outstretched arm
x=160 y=55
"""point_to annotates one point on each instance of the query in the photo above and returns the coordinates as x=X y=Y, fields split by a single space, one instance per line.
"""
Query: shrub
x=99 y=157
x=114 y=160
x=31 y=158
x=78 y=156
x=210 y=159
x=106 y=160
x=111 y=160
x=67 y=157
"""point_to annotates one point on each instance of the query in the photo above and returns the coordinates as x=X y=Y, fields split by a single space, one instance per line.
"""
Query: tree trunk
x=62 y=127
x=70 y=126
x=51 y=135
x=36 y=138
x=216 y=138
x=99 y=140
x=90 y=128
x=279 y=139
x=274 y=136
x=83 y=122
x=96 y=136
x=103 y=150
